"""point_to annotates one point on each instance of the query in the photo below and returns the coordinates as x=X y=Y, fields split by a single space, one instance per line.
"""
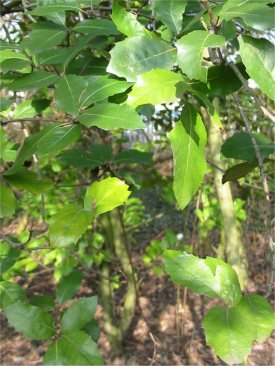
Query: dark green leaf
x=79 y=314
x=8 y=256
x=10 y=293
x=32 y=321
x=68 y=286
x=222 y=80
x=133 y=157
x=96 y=27
x=34 y=80
x=53 y=57
x=28 y=180
x=238 y=171
x=68 y=225
x=73 y=349
x=109 y=116
x=41 y=40
x=136 y=55
x=7 y=202
x=44 y=302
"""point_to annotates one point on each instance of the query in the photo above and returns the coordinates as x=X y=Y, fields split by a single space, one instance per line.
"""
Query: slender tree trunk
x=232 y=245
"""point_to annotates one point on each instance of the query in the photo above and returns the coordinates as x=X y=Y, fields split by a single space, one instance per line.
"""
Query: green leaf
x=136 y=55
x=222 y=80
x=10 y=293
x=102 y=88
x=79 y=314
x=43 y=39
x=53 y=57
x=126 y=22
x=53 y=8
x=188 y=139
x=170 y=13
x=255 y=14
x=7 y=202
x=191 y=52
x=4 y=105
x=28 y=180
x=227 y=331
x=106 y=195
x=211 y=276
x=258 y=58
x=68 y=286
x=238 y=171
x=92 y=329
x=68 y=225
x=80 y=158
x=156 y=87
x=30 y=320
x=12 y=54
x=73 y=349
x=68 y=92
x=34 y=80
x=30 y=108
x=44 y=302
x=109 y=116
x=133 y=157
x=96 y=27
x=239 y=146
x=8 y=256
x=48 y=141
x=3 y=142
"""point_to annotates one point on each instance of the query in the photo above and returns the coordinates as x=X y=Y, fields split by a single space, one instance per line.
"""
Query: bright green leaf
x=170 y=13
x=106 y=195
x=32 y=321
x=188 y=139
x=109 y=116
x=10 y=293
x=8 y=256
x=7 y=202
x=68 y=286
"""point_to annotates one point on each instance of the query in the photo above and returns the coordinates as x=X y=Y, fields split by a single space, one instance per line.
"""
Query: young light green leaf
x=68 y=92
x=7 y=54
x=79 y=314
x=34 y=80
x=74 y=349
x=258 y=58
x=8 y=256
x=156 y=87
x=7 y=202
x=170 y=13
x=28 y=180
x=227 y=331
x=102 y=88
x=43 y=39
x=25 y=110
x=136 y=55
x=211 y=276
x=96 y=27
x=10 y=293
x=190 y=52
x=106 y=195
x=126 y=22
x=240 y=146
x=188 y=139
x=68 y=286
x=109 y=116
x=32 y=321
x=68 y=225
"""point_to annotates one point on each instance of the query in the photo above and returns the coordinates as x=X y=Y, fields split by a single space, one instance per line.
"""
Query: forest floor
x=166 y=329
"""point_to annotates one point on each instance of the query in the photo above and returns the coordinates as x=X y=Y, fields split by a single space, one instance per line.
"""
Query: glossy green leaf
x=133 y=157
x=96 y=27
x=127 y=23
x=238 y=171
x=211 y=276
x=227 y=331
x=109 y=116
x=41 y=40
x=30 y=320
x=106 y=195
x=79 y=314
x=68 y=92
x=188 y=139
x=156 y=87
x=7 y=202
x=258 y=58
x=28 y=180
x=34 y=80
x=73 y=349
x=79 y=158
x=10 y=293
x=68 y=225
x=102 y=88
x=240 y=146
x=8 y=256
x=136 y=55
x=191 y=49
x=68 y=286
x=170 y=13
x=255 y=14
